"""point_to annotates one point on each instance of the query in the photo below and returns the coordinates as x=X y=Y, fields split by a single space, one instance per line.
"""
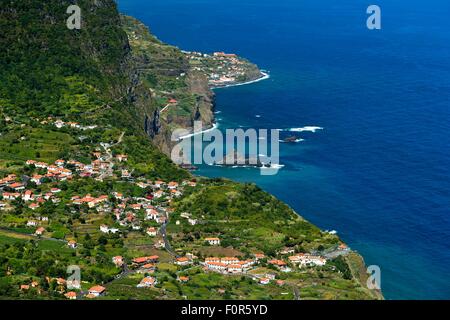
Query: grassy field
x=34 y=143
x=7 y=239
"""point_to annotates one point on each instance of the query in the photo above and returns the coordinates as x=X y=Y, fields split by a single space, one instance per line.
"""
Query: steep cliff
x=163 y=73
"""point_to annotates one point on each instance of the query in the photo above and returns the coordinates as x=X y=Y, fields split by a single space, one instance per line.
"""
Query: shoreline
x=214 y=126
x=264 y=76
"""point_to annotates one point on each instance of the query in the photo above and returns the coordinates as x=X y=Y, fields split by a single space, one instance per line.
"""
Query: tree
x=102 y=240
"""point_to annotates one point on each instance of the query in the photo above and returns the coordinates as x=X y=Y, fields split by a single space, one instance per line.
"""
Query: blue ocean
x=379 y=171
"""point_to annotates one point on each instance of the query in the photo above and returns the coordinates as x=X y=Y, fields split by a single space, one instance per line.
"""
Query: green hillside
x=80 y=104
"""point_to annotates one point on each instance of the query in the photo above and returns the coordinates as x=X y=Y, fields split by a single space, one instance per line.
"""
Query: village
x=135 y=213
x=223 y=69
x=148 y=214
x=92 y=205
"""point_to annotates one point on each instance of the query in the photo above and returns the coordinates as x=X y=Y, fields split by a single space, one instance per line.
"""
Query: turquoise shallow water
x=379 y=171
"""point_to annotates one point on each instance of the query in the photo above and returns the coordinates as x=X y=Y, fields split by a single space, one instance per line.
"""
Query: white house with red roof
x=172 y=185
x=234 y=268
x=142 y=260
x=27 y=195
x=307 y=260
x=122 y=157
x=97 y=291
x=229 y=260
x=158 y=194
x=10 y=195
x=126 y=174
x=159 y=184
x=152 y=232
x=182 y=261
x=118 y=195
x=71 y=295
x=147 y=282
x=72 y=244
x=17 y=186
x=34 y=206
x=30 y=162
x=60 y=162
x=39 y=231
x=216 y=266
x=151 y=214
x=118 y=261
x=37 y=179
x=182 y=279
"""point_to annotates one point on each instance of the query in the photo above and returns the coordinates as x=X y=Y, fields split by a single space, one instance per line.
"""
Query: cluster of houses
x=267 y=278
x=18 y=190
x=305 y=259
x=302 y=260
x=142 y=264
x=225 y=265
x=147 y=282
x=221 y=68
x=58 y=123
x=125 y=209
x=146 y=265
x=127 y=212
x=63 y=170
x=230 y=265
x=191 y=220
x=62 y=285
x=61 y=124
x=92 y=293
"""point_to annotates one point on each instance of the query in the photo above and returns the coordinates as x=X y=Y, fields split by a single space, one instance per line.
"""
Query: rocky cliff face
x=162 y=72
x=205 y=104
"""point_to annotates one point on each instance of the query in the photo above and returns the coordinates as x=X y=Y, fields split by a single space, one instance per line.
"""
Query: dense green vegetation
x=53 y=70
x=23 y=261
x=245 y=213
x=50 y=73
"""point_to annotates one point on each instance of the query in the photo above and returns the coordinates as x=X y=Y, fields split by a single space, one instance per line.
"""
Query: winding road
x=107 y=148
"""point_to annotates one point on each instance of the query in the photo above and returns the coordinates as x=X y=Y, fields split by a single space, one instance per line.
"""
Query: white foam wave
x=214 y=127
x=273 y=166
x=305 y=129
x=296 y=141
x=265 y=76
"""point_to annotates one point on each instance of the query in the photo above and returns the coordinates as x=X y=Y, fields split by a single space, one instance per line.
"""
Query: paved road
x=167 y=245
x=107 y=148
x=125 y=272
x=296 y=293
